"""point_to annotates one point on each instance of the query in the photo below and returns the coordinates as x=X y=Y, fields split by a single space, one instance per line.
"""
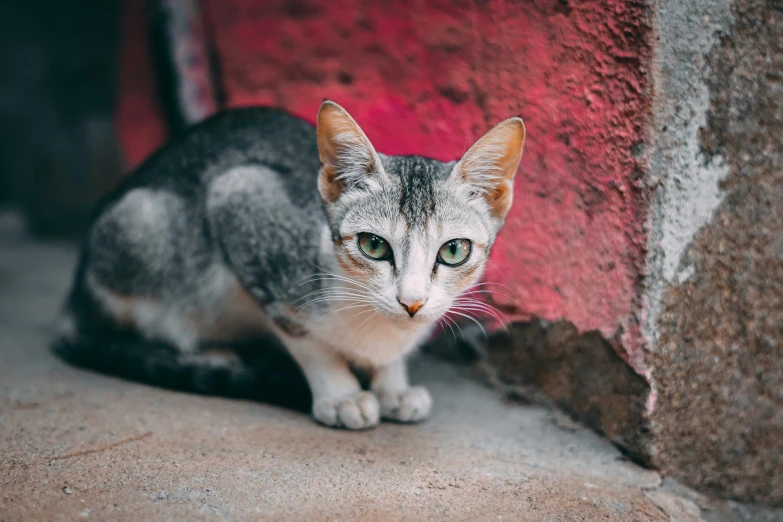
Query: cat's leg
x=338 y=399
x=264 y=239
x=399 y=400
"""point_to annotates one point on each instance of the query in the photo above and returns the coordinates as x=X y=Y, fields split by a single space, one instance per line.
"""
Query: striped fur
x=237 y=237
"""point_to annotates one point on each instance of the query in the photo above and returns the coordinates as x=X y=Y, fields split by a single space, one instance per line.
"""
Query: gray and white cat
x=238 y=232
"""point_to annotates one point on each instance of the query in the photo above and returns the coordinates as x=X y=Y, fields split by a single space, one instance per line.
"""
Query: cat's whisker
x=448 y=321
x=346 y=287
x=447 y=324
x=329 y=291
x=350 y=307
x=332 y=299
x=363 y=323
x=471 y=299
x=478 y=306
x=489 y=283
x=474 y=292
x=362 y=312
x=327 y=277
x=332 y=292
x=337 y=300
x=301 y=281
x=462 y=334
x=467 y=316
x=339 y=289
x=494 y=312
x=481 y=304
x=334 y=279
x=485 y=283
x=472 y=308
x=335 y=291
x=308 y=276
x=319 y=295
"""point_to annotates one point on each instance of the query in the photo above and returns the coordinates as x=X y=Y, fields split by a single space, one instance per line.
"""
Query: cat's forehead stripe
x=417 y=178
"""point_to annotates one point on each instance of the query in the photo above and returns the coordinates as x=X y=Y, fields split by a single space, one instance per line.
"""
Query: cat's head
x=414 y=232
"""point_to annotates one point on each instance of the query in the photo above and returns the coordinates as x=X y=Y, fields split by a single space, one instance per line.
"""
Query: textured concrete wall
x=715 y=321
x=430 y=77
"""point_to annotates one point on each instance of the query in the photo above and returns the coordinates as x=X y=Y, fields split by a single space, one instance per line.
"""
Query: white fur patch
x=144 y=216
x=226 y=310
x=220 y=309
x=415 y=275
x=246 y=179
x=151 y=318
x=66 y=327
x=371 y=340
x=409 y=405
x=167 y=322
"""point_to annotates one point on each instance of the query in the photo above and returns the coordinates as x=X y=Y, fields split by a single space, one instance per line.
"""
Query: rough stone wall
x=430 y=77
x=716 y=318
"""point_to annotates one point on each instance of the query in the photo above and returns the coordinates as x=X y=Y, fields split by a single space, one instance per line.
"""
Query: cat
x=255 y=225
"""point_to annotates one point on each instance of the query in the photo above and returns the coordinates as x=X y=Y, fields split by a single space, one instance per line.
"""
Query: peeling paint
x=691 y=193
x=688 y=183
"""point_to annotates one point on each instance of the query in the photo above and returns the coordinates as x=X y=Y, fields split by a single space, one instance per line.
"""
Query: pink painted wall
x=139 y=123
x=429 y=77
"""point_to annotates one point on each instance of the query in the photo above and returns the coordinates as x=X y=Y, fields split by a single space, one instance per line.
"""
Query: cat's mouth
x=409 y=316
x=417 y=319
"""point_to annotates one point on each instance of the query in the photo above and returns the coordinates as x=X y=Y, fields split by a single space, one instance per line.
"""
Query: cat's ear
x=348 y=159
x=488 y=168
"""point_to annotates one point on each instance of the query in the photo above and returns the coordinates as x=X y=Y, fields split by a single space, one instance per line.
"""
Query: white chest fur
x=368 y=338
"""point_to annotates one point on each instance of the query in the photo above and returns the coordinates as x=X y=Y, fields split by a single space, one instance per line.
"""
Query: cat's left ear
x=348 y=159
x=488 y=168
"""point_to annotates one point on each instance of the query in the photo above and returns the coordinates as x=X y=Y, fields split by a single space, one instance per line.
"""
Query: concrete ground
x=76 y=445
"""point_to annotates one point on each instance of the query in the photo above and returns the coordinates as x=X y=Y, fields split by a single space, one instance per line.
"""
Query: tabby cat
x=256 y=226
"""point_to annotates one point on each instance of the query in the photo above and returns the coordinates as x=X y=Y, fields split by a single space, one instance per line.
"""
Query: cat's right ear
x=348 y=159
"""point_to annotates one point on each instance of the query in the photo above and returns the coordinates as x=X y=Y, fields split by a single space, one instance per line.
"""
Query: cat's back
x=161 y=214
x=234 y=137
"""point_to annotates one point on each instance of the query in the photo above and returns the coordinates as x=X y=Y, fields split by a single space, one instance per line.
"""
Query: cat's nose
x=411 y=306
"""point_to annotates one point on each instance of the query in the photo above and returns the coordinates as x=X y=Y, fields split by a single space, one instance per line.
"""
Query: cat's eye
x=374 y=247
x=454 y=252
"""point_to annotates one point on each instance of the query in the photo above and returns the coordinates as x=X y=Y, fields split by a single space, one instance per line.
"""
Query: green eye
x=374 y=247
x=454 y=252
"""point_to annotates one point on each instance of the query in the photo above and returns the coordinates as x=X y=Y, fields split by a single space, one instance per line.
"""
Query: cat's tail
x=263 y=373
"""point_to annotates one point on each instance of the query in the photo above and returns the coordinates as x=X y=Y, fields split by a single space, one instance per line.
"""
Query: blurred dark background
x=58 y=89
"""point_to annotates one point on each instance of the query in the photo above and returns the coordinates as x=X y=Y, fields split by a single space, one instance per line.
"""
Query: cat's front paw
x=410 y=405
x=356 y=412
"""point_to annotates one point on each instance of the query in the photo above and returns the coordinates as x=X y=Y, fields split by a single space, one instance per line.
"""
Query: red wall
x=429 y=77
x=140 y=125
